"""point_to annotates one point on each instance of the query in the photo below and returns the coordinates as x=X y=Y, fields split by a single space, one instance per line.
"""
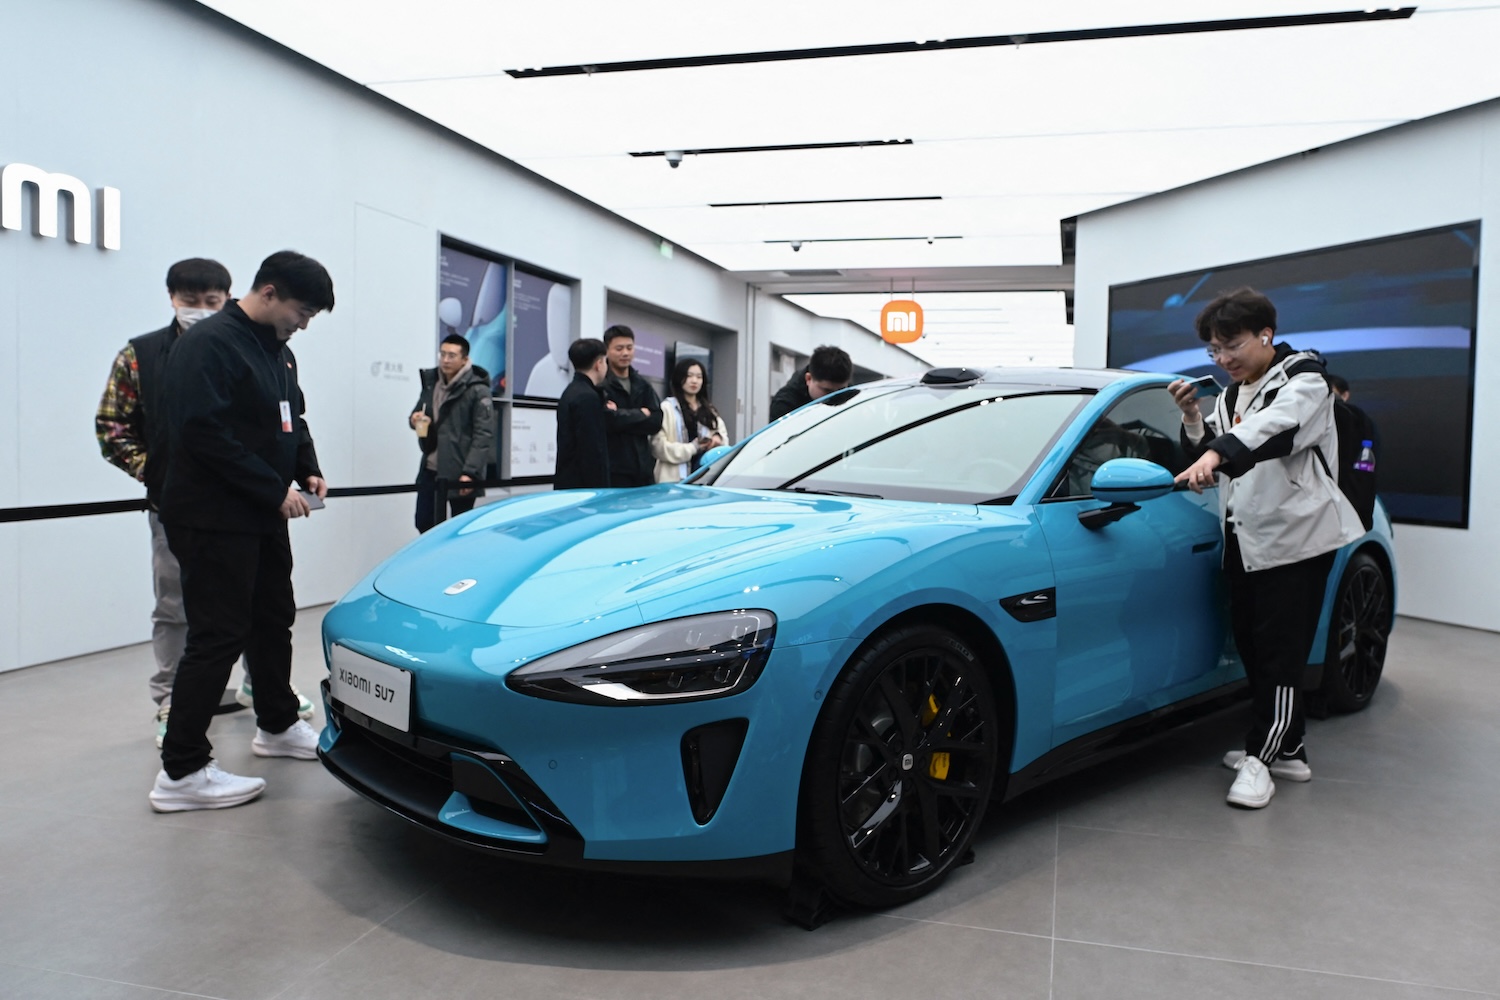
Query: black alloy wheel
x=1358 y=633
x=900 y=768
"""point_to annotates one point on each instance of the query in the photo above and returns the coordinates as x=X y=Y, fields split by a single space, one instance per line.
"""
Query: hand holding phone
x=1207 y=385
x=314 y=502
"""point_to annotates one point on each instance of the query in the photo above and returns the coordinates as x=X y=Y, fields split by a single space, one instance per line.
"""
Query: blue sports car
x=826 y=653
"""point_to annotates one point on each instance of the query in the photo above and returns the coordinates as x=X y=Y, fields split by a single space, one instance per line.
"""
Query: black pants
x=237 y=595
x=427 y=500
x=1274 y=614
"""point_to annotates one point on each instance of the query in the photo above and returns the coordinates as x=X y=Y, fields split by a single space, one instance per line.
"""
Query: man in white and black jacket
x=1269 y=445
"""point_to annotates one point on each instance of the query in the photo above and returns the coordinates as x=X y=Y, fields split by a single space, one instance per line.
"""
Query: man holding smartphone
x=1265 y=445
x=239 y=447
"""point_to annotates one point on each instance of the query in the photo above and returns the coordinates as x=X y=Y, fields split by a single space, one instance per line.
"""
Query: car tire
x=899 y=770
x=1359 y=629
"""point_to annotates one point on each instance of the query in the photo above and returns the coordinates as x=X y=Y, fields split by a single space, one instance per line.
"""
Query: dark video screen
x=1394 y=316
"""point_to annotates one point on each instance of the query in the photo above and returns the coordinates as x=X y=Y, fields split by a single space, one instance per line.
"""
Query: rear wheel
x=1358 y=632
x=899 y=769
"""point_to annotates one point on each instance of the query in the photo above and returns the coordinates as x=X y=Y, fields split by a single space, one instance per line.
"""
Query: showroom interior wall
x=1415 y=176
x=223 y=144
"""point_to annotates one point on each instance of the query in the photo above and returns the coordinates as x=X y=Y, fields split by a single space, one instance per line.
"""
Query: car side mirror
x=710 y=456
x=1131 y=480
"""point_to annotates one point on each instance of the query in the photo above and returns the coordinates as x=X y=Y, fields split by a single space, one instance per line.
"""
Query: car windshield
x=969 y=444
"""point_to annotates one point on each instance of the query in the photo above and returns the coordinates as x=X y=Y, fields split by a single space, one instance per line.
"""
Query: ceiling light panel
x=1090 y=122
x=387 y=41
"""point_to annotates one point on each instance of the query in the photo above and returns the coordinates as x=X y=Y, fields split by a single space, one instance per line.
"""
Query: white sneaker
x=1289 y=768
x=1252 y=786
x=246 y=696
x=206 y=788
x=300 y=741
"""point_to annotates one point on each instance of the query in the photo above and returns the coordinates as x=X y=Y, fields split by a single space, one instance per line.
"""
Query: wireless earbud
x=1265 y=341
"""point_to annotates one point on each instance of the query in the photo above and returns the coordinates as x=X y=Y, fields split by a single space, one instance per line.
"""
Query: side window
x=1146 y=424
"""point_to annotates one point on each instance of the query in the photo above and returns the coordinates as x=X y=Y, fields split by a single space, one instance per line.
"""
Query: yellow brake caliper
x=937 y=766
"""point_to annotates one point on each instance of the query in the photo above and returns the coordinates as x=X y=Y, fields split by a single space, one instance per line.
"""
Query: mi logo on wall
x=49 y=188
x=901 y=322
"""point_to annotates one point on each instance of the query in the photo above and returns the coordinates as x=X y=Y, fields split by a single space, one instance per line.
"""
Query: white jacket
x=673 y=447
x=1284 y=501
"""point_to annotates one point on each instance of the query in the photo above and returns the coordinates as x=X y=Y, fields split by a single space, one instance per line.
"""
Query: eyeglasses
x=1229 y=350
x=450 y=355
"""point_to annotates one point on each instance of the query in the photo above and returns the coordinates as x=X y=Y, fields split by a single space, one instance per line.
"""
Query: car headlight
x=685 y=659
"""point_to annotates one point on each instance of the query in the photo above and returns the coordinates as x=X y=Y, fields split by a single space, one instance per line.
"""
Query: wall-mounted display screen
x=543 y=331
x=1394 y=316
x=472 y=300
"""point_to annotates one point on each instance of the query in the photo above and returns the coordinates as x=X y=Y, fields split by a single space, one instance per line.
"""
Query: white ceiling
x=1012 y=139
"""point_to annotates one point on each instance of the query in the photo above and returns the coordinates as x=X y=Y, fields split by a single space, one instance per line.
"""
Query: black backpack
x=1357 y=458
x=1357 y=440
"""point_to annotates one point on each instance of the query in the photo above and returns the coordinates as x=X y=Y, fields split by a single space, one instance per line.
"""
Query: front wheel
x=899 y=769
x=1358 y=632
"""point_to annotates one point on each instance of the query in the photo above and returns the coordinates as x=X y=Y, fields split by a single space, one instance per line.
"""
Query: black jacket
x=630 y=460
x=582 y=449
x=231 y=458
x=791 y=395
x=149 y=417
x=463 y=434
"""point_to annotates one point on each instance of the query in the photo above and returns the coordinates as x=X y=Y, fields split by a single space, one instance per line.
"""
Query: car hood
x=565 y=557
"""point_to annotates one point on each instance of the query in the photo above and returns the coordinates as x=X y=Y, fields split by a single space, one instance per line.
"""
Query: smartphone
x=1207 y=385
x=314 y=502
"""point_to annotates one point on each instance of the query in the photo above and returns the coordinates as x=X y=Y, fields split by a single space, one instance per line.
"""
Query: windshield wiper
x=831 y=493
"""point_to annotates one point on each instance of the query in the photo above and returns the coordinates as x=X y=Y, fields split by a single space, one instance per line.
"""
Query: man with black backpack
x=1267 y=445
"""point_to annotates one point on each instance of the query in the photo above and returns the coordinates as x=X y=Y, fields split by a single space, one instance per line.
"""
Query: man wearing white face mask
x=132 y=435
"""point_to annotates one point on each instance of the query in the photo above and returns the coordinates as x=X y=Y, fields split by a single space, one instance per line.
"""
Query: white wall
x=1426 y=174
x=225 y=145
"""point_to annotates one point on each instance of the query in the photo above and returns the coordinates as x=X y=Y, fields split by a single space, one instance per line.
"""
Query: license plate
x=379 y=690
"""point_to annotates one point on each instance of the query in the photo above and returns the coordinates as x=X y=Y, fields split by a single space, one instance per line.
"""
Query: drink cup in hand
x=421 y=422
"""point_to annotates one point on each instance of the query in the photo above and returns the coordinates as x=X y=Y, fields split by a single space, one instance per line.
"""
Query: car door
x=1140 y=609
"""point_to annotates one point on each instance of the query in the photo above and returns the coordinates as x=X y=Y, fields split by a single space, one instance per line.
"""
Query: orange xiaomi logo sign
x=901 y=321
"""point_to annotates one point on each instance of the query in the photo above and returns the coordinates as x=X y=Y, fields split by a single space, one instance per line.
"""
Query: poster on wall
x=1395 y=317
x=533 y=441
x=472 y=296
x=543 y=331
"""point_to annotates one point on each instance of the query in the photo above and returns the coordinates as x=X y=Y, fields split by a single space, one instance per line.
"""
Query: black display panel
x=1394 y=316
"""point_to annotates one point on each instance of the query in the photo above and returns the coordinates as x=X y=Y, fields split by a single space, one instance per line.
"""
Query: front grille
x=415 y=774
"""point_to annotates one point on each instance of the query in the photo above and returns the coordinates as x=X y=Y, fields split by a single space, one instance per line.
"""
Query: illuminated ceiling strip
x=823 y=201
x=982 y=41
x=777 y=149
x=865 y=239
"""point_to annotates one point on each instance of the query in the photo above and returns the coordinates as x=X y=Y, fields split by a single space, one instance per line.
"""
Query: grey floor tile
x=212 y=913
x=23 y=983
x=1383 y=866
x=1093 y=972
x=585 y=937
x=1407 y=919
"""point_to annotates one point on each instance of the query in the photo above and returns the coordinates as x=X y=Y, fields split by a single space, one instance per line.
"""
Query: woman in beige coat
x=689 y=424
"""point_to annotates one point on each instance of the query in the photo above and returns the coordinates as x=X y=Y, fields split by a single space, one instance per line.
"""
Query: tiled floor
x=1378 y=880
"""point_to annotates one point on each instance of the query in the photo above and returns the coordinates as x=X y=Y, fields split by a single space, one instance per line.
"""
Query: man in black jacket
x=582 y=438
x=132 y=432
x=828 y=370
x=238 y=443
x=455 y=423
x=636 y=414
